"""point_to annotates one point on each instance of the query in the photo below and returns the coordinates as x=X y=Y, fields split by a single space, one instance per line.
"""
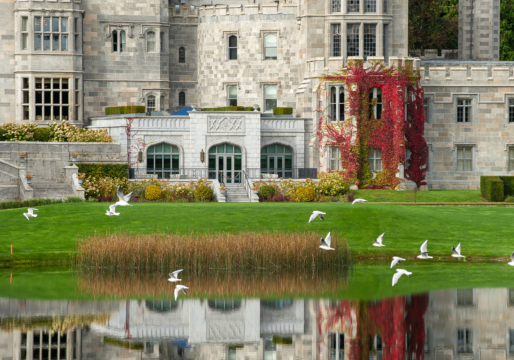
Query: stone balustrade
x=289 y=125
x=164 y=122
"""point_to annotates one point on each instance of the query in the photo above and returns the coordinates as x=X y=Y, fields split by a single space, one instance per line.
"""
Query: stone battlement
x=467 y=73
x=232 y=10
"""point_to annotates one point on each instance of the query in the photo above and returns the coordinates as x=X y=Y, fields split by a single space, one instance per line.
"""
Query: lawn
x=483 y=231
x=437 y=196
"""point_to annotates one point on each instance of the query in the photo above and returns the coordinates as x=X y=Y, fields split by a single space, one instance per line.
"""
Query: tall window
x=511 y=110
x=119 y=41
x=52 y=98
x=463 y=110
x=177 y=9
x=385 y=42
x=336 y=6
x=162 y=103
x=161 y=39
x=77 y=99
x=511 y=298
x=464 y=297
x=150 y=103
x=376 y=96
x=335 y=159
x=26 y=98
x=163 y=160
x=375 y=160
x=426 y=109
x=150 y=41
x=181 y=98
x=232 y=47
x=511 y=158
x=270 y=97
x=25 y=33
x=336 y=39
x=336 y=103
x=76 y=30
x=182 y=55
x=335 y=346
x=464 y=341
x=370 y=6
x=352 y=40
x=511 y=342
x=115 y=41
x=384 y=6
x=50 y=33
x=232 y=95
x=353 y=6
x=370 y=40
x=270 y=46
x=464 y=159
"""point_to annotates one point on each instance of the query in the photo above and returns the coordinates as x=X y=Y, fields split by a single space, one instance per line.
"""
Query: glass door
x=225 y=163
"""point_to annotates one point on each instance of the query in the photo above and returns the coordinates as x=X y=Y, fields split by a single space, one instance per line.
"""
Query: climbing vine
x=361 y=132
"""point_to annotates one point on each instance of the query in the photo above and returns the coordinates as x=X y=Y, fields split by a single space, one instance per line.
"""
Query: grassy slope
x=482 y=231
x=438 y=196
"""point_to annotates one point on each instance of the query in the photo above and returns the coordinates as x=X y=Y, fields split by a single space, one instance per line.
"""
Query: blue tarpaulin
x=183 y=111
x=181 y=343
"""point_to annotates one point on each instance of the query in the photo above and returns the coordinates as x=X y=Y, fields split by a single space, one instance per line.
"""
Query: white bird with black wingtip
x=359 y=201
x=174 y=276
x=122 y=199
x=398 y=275
x=378 y=241
x=456 y=252
x=318 y=214
x=180 y=288
x=396 y=261
x=30 y=213
x=424 y=251
x=112 y=210
x=325 y=243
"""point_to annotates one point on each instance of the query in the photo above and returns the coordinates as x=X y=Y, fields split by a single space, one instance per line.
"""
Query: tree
x=507 y=30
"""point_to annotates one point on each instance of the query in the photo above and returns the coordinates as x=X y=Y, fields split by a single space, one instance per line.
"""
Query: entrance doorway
x=225 y=163
x=277 y=159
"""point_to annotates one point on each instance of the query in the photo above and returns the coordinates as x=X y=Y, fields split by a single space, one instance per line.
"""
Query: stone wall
x=7 y=37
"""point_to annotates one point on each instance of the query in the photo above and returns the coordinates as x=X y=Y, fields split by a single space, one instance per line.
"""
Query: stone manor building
x=70 y=59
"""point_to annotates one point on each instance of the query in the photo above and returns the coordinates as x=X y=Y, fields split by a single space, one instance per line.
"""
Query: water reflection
x=468 y=323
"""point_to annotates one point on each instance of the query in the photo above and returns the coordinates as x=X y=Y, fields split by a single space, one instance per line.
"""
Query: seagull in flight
x=358 y=201
x=30 y=213
x=180 y=288
x=174 y=276
x=456 y=252
x=378 y=241
x=123 y=199
x=511 y=259
x=318 y=214
x=398 y=275
x=396 y=261
x=424 y=251
x=112 y=210
x=325 y=243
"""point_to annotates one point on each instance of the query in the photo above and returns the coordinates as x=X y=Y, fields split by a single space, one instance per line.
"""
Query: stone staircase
x=237 y=194
x=51 y=190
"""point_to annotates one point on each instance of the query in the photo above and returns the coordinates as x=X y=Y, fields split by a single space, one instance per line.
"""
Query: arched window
x=150 y=103
x=224 y=305
x=270 y=46
x=123 y=41
x=115 y=41
x=181 y=55
x=276 y=161
x=181 y=98
x=162 y=103
x=277 y=304
x=150 y=41
x=162 y=42
x=161 y=306
x=232 y=47
x=163 y=160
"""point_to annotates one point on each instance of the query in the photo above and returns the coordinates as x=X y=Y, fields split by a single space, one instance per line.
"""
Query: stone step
x=51 y=190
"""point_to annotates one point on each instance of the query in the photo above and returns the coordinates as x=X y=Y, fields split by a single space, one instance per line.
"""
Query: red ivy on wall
x=392 y=133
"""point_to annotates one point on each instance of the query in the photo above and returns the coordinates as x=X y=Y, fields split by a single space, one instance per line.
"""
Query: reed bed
x=203 y=252
x=219 y=284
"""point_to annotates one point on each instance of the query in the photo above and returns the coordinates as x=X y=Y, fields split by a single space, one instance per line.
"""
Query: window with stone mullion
x=352 y=40
x=232 y=95
x=463 y=110
x=353 y=6
x=50 y=33
x=232 y=47
x=336 y=39
x=370 y=40
x=335 y=158
x=336 y=6
x=375 y=160
x=464 y=159
x=511 y=158
x=370 y=6
x=511 y=110
x=51 y=98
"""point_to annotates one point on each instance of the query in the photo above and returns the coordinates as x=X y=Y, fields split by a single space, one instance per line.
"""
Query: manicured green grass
x=437 y=196
x=483 y=231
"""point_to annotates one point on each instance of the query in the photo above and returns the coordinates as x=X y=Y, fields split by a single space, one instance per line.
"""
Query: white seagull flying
x=174 y=276
x=511 y=259
x=180 y=288
x=456 y=252
x=396 y=261
x=30 y=213
x=318 y=214
x=325 y=243
x=378 y=241
x=424 y=251
x=398 y=275
x=112 y=210
x=358 y=201
x=123 y=199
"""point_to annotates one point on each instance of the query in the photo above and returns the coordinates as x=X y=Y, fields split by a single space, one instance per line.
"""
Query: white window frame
x=374 y=156
x=52 y=33
x=120 y=42
x=265 y=98
x=464 y=106
x=464 y=157
x=336 y=104
x=151 y=107
x=379 y=103
x=229 y=98
x=230 y=48
x=335 y=163
x=264 y=47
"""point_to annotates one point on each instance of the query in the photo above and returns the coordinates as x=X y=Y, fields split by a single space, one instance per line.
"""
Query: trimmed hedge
x=230 y=108
x=266 y=190
x=43 y=134
x=491 y=187
x=37 y=202
x=104 y=170
x=118 y=110
x=282 y=111
x=508 y=185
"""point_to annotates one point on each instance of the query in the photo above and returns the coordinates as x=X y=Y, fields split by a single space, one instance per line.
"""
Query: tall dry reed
x=217 y=284
x=203 y=252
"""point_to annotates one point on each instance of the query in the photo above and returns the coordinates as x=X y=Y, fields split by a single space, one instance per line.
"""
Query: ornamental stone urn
x=80 y=180
x=29 y=181
x=223 y=192
x=22 y=160
x=73 y=159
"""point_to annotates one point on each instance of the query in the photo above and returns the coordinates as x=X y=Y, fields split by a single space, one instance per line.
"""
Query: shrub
x=305 y=194
x=153 y=192
x=203 y=193
x=332 y=183
x=508 y=185
x=282 y=111
x=104 y=170
x=3 y=132
x=117 y=110
x=64 y=132
x=230 y=108
x=491 y=187
x=509 y=199
x=43 y=134
x=266 y=190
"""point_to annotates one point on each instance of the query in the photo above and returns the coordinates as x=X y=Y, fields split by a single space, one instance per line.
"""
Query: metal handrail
x=247 y=184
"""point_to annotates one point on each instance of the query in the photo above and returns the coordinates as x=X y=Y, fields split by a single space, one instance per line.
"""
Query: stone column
x=380 y=38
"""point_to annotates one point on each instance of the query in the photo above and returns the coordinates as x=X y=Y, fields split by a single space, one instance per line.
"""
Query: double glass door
x=277 y=160
x=225 y=163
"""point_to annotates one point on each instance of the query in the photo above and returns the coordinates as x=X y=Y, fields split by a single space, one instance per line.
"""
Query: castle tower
x=479 y=30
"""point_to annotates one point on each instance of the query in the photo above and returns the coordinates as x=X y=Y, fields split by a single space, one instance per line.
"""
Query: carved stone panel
x=230 y=124
x=226 y=330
